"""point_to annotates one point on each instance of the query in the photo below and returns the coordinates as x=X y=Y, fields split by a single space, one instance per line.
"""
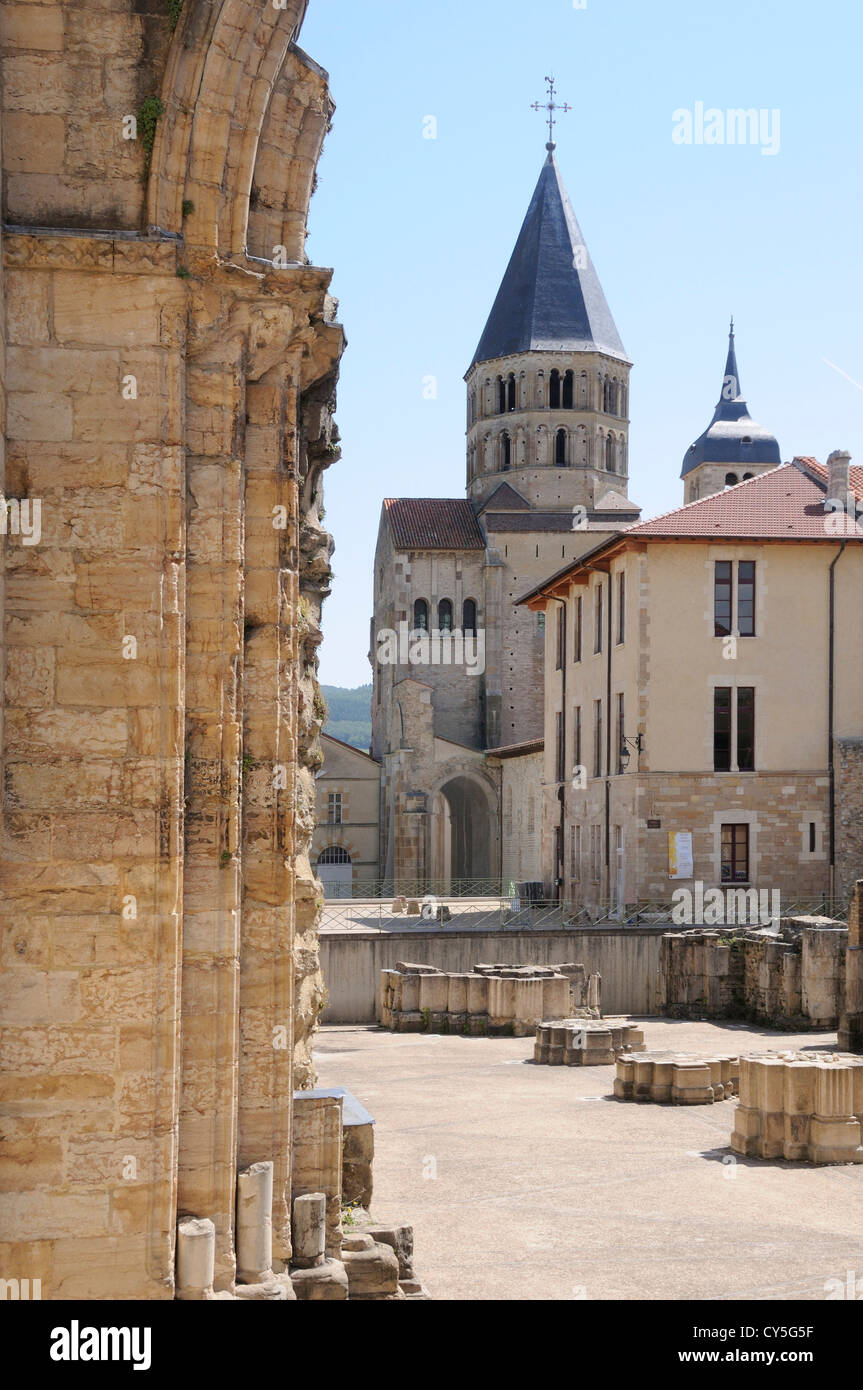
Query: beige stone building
x=521 y=800
x=457 y=664
x=169 y=373
x=704 y=698
x=347 y=834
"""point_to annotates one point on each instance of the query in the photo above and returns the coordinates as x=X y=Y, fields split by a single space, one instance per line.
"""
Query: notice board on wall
x=680 y=854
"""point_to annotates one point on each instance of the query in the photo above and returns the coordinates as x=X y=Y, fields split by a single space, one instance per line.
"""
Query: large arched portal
x=462 y=844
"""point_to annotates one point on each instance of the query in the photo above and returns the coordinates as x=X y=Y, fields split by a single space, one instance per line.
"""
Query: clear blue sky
x=420 y=231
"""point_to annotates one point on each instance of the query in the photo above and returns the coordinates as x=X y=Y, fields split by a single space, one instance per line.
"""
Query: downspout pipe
x=561 y=790
x=831 y=718
x=610 y=593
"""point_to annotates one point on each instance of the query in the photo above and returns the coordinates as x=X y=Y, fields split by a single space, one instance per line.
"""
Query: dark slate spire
x=550 y=297
x=731 y=384
x=732 y=435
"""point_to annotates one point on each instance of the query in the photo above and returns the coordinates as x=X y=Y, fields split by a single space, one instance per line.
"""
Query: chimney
x=839 y=477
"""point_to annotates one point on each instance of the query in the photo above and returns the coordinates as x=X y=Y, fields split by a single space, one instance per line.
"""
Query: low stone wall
x=795 y=980
x=577 y=1042
x=352 y=961
x=488 y=1000
x=677 y=1078
x=796 y=1106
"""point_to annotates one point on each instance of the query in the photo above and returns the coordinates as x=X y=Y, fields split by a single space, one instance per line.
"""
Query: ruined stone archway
x=463 y=839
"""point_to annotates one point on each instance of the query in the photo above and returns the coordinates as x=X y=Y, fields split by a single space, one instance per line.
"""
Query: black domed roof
x=732 y=435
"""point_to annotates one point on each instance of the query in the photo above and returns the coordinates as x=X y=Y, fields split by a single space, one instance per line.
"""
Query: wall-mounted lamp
x=624 y=755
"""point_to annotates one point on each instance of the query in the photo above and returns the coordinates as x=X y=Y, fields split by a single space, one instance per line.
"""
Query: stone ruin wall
x=169 y=387
x=849 y=816
x=795 y=982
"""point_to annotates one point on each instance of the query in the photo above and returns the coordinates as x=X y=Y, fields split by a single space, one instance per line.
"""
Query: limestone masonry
x=170 y=364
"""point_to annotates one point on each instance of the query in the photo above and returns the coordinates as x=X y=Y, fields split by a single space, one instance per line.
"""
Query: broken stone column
x=196 y=1259
x=318 y=1157
x=799 y=1104
x=408 y=1018
x=255 y=1224
x=457 y=1002
x=594 y=992
x=822 y=971
x=434 y=997
x=309 y=1230
x=477 y=1005
x=834 y=1131
x=556 y=997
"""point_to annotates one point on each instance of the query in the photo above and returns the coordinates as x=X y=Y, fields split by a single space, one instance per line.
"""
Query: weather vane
x=550 y=106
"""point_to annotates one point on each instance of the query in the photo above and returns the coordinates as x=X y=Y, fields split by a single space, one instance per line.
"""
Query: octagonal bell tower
x=548 y=387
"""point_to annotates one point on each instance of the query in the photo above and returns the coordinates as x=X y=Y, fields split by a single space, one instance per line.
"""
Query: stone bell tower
x=548 y=387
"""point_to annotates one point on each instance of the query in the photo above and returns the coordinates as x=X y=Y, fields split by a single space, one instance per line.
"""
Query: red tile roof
x=433 y=523
x=787 y=503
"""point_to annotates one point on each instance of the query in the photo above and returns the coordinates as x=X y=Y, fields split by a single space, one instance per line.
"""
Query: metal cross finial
x=550 y=106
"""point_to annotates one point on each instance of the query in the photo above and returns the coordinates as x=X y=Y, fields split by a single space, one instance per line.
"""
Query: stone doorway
x=461 y=833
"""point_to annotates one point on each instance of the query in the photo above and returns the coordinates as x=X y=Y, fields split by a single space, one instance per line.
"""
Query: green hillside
x=350 y=714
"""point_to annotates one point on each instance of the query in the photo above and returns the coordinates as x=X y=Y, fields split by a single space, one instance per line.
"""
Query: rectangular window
x=620 y=730
x=722 y=728
x=746 y=728
x=621 y=607
x=334 y=808
x=597 y=738
x=558 y=852
x=576 y=736
x=560 y=746
x=722 y=598
x=576 y=645
x=575 y=852
x=597 y=618
x=812 y=837
x=595 y=852
x=735 y=854
x=560 y=639
x=746 y=598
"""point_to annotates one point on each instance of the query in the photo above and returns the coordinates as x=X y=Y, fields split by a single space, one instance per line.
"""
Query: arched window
x=444 y=615
x=568 y=382
x=501 y=395
x=609 y=453
x=505 y=451
x=731 y=479
x=473 y=407
x=510 y=391
x=554 y=390
x=468 y=617
x=560 y=449
x=747 y=476
x=421 y=615
x=334 y=854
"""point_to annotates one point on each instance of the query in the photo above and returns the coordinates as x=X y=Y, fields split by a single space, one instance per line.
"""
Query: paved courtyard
x=534 y=1182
